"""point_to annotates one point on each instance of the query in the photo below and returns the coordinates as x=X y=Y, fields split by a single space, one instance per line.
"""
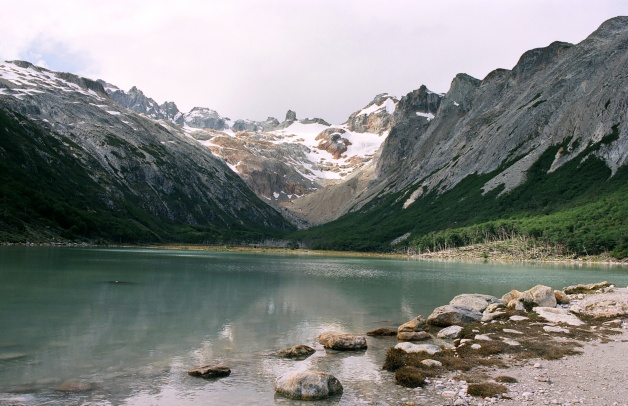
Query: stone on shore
x=542 y=295
x=613 y=303
x=210 y=371
x=299 y=351
x=476 y=302
x=432 y=363
x=556 y=315
x=448 y=315
x=341 y=341
x=410 y=348
x=413 y=336
x=308 y=385
x=450 y=332
x=561 y=297
x=416 y=324
x=381 y=332
x=585 y=287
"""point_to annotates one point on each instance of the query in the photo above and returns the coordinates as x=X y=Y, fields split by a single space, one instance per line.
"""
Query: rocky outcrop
x=308 y=385
x=342 y=342
x=331 y=140
x=376 y=117
x=210 y=371
x=202 y=117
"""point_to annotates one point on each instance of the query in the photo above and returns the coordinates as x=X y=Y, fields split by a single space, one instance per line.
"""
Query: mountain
x=280 y=161
x=537 y=152
x=538 y=146
x=76 y=165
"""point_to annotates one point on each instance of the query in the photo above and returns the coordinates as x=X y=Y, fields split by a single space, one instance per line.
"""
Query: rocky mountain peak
x=376 y=117
x=291 y=116
x=420 y=102
x=538 y=59
x=610 y=29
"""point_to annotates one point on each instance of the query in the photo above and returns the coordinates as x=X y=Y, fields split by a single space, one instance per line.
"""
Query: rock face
x=135 y=174
x=309 y=385
x=210 y=371
x=202 y=117
x=502 y=125
x=300 y=351
x=342 y=342
x=376 y=117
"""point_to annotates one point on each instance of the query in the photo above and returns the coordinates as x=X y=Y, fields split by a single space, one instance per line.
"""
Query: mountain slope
x=517 y=143
x=77 y=165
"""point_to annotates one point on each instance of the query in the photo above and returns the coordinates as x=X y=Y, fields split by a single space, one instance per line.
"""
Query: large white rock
x=450 y=332
x=416 y=348
x=474 y=301
x=558 y=315
x=308 y=385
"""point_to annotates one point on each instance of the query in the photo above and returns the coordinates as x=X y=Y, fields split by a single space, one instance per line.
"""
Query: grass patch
x=506 y=379
x=486 y=389
x=410 y=377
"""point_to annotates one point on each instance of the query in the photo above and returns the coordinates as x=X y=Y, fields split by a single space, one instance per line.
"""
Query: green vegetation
x=579 y=209
x=46 y=194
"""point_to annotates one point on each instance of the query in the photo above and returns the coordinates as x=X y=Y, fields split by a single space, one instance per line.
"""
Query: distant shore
x=487 y=253
x=477 y=253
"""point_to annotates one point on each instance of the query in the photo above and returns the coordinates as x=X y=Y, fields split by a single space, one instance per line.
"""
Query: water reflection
x=64 y=320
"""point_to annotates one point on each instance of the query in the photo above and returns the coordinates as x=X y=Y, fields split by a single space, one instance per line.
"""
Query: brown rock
x=413 y=336
x=210 y=371
x=585 y=287
x=380 y=332
x=341 y=341
x=300 y=352
x=416 y=324
x=561 y=297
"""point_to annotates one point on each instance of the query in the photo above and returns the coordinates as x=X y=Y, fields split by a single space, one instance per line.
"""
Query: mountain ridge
x=563 y=105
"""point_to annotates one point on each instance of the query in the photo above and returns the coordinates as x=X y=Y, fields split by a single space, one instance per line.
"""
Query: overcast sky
x=259 y=58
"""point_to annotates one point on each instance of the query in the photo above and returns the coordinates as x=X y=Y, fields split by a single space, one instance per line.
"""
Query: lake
x=124 y=325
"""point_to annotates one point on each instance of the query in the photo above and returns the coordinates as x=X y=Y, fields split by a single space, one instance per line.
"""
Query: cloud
x=252 y=59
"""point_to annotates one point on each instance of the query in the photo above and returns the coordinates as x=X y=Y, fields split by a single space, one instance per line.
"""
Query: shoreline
x=470 y=254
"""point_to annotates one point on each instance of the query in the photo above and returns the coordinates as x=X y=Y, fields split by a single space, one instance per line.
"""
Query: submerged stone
x=308 y=385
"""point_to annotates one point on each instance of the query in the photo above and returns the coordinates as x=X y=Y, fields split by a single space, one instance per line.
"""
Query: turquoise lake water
x=125 y=324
